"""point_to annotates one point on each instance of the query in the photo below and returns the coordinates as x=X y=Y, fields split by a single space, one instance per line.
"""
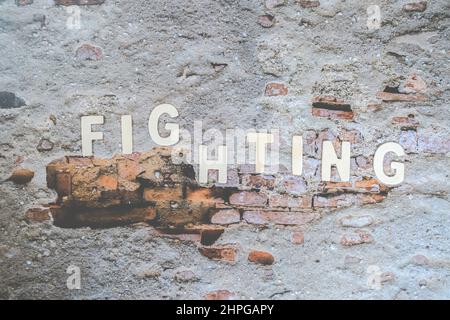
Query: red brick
x=332 y=114
x=355 y=238
x=226 y=216
x=225 y=253
x=107 y=183
x=38 y=214
x=24 y=2
x=262 y=217
x=367 y=184
x=420 y=6
x=409 y=140
x=297 y=237
x=220 y=295
x=89 y=52
x=21 y=176
x=287 y=201
x=309 y=4
x=248 y=198
x=258 y=181
x=261 y=257
x=203 y=195
x=405 y=122
x=414 y=84
x=400 y=97
x=276 y=89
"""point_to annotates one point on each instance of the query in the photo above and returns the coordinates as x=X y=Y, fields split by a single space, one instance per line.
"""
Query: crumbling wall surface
x=140 y=226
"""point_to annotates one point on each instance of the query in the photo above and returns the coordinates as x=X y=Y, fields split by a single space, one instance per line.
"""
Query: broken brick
x=406 y=123
x=38 y=214
x=225 y=253
x=356 y=238
x=270 y=4
x=261 y=217
x=89 y=52
x=276 y=89
x=287 y=201
x=309 y=4
x=261 y=257
x=78 y=2
x=21 y=176
x=420 y=6
x=332 y=108
x=400 y=97
x=248 y=198
x=220 y=295
x=258 y=181
x=266 y=20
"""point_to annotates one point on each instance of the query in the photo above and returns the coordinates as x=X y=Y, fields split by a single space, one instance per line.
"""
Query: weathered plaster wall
x=248 y=64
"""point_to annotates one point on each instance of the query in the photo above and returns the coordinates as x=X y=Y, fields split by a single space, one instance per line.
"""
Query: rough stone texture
x=213 y=60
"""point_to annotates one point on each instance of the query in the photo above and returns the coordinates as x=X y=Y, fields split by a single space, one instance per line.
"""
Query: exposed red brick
x=183 y=237
x=262 y=217
x=21 y=176
x=414 y=84
x=209 y=233
x=261 y=257
x=163 y=194
x=78 y=2
x=220 y=295
x=38 y=214
x=276 y=89
x=400 y=97
x=101 y=217
x=248 y=198
x=256 y=181
x=203 y=195
x=346 y=200
x=420 y=260
x=332 y=114
x=226 y=216
x=433 y=142
x=420 y=6
x=309 y=4
x=359 y=221
x=44 y=145
x=367 y=184
x=266 y=20
x=409 y=140
x=406 y=123
x=355 y=238
x=24 y=2
x=63 y=184
x=270 y=4
x=89 y=52
x=225 y=253
x=107 y=183
x=287 y=201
